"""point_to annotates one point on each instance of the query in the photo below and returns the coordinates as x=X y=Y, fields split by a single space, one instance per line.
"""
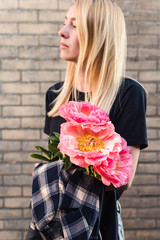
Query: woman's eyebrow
x=73 y=18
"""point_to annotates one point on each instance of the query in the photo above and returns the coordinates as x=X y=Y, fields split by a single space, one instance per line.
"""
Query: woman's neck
x=81 y=83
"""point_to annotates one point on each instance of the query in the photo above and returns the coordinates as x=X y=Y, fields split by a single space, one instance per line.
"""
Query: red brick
x=148 y=168
x=130 y=235
x=139 y=224
x=148 y=235
x=151 y=213
x=145 y=179
x=133 y=191
x=128 y=212
x=149 y=190
x=141 y=202
x=147 y=156
x=153 y=145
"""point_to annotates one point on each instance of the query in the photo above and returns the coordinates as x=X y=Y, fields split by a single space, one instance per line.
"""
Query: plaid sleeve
x=55 y=191
x=82 y=195
x=45 y=193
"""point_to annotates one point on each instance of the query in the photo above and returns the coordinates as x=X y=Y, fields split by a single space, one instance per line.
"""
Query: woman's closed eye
x=73 y=25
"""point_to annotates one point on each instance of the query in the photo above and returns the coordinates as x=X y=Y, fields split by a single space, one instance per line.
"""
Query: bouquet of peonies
x=88 y=140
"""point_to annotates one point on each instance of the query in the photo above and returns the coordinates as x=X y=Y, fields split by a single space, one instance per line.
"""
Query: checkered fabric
x=65 y=206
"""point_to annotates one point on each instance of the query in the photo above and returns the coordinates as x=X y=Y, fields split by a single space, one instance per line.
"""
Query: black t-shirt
x=128 y=116
x=127 y=113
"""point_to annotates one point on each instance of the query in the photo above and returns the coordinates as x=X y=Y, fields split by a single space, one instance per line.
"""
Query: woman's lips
x=63 y=45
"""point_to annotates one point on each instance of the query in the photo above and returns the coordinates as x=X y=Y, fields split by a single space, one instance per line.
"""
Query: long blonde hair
x=102 y=41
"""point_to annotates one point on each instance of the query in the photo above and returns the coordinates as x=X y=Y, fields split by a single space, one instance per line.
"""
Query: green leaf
x=87 y=170
x=57 y=135
x=52 y=148
x=40 y=157
x=53 y=138
x=43 y=150
x=58 y=154
x=96 y=175
x=67 y=163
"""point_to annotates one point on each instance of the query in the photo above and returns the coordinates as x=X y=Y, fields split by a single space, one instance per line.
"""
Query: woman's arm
x=135 y=150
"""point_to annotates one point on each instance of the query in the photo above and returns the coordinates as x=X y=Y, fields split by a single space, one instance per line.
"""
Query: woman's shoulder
x=56 y=86
x=129 y=83
x=53 y=91
x=131 y=87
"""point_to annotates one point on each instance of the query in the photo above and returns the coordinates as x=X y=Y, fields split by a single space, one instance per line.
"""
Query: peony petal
x=79 y=161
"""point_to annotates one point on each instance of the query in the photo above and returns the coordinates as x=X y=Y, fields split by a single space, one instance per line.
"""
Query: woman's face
x=69 y=46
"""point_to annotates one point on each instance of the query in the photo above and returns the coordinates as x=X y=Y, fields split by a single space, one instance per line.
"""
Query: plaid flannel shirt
x=65 y=206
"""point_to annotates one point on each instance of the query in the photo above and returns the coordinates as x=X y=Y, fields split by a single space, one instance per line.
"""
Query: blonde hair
x=102 y=41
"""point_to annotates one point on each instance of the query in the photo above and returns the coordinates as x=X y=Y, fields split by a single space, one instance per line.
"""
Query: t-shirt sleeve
x=47 y=119
x=52 y=124
x=130 y=116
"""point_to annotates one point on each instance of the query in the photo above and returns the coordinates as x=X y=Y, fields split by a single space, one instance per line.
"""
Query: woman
x=93 y=41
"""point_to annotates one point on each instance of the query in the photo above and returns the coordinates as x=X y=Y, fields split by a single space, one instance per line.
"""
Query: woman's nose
x=63 y=32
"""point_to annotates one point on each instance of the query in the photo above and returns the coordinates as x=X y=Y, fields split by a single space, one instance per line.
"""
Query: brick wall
x=29 y=64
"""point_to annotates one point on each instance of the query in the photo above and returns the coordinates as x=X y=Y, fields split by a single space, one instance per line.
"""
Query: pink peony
x=89 y=139
x=87 y=147
x=116 y=171
x=84 y=113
